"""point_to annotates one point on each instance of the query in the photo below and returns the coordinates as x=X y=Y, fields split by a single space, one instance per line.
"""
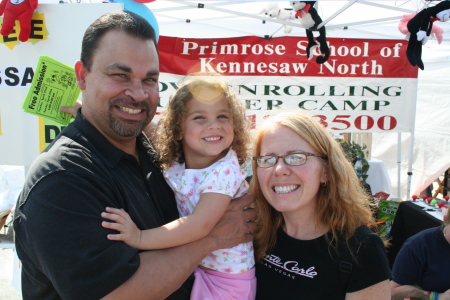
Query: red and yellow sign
x=38 y=32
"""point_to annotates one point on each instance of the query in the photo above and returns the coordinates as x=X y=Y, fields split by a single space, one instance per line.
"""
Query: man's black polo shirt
x=59 y=237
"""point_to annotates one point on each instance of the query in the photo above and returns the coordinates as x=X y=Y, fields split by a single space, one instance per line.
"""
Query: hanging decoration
x=420 y=28
x=273 y=11
x=20 y=10
x=310 y=19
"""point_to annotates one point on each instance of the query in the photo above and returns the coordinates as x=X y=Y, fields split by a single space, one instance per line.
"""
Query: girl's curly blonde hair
x=168 y=143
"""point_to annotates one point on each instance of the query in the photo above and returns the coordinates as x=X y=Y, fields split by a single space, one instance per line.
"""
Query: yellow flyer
x=54 y=85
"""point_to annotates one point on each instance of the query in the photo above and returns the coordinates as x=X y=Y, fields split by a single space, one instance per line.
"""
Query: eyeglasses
x=291 y=159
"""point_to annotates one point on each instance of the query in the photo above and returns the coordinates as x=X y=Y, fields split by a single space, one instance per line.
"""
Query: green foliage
x=352 y=151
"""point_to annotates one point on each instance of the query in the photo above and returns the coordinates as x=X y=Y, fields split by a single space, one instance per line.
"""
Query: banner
x=365 y=86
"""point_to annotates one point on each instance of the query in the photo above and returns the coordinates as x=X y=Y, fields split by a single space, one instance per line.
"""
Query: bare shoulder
x=379 y=291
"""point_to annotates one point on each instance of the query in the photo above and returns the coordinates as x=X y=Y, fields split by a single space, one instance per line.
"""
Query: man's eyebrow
x=125 y=68
x=119 y=66
x=153 y=73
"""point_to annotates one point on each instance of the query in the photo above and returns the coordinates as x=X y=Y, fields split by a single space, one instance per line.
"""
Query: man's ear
x=80 y=73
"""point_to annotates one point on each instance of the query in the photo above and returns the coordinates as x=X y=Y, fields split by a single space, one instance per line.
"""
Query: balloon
x=143 y=11
x=144 y=1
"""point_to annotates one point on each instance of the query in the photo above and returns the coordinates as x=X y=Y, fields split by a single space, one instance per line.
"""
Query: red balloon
x=424 y=197
x=446 y=198
x=440 y=204
x=144 y=1
x=414 y=197
x=429 y=199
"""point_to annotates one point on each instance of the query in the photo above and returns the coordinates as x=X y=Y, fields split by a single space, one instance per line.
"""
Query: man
x=102 y=159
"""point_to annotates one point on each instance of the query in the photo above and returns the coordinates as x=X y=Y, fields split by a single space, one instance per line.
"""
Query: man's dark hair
x=123 y=20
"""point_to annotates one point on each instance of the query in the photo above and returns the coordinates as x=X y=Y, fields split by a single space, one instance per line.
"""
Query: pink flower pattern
x=224 y=177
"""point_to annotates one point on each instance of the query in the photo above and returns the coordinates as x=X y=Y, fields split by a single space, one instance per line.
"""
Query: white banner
x=57 y=31
x=341 y=104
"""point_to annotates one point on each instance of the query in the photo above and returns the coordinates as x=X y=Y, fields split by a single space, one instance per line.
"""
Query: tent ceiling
x=361 y=18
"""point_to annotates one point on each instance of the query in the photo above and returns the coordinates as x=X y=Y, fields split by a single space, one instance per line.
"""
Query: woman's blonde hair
x=342 y=204
x=169 y=132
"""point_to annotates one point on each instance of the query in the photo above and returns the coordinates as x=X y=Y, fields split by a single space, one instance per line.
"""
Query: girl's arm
x=207 y=213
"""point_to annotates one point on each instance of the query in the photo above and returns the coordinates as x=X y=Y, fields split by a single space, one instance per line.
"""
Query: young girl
x=201 y=140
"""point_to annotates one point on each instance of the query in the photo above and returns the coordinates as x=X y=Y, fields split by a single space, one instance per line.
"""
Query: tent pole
x=405 y=10
x=399 y=163
x=411 y=147
x=350 y=3
x=411 y=153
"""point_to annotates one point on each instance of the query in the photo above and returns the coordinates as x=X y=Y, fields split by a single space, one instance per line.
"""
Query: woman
x=423 y=263
x=310 y=205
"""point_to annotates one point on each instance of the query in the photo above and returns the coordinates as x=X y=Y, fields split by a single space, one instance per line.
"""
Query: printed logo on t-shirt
x=288 y=268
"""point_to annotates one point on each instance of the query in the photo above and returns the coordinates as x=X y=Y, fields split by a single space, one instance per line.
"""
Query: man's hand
x=71 y=109
x=129 y=233
x=236 y=225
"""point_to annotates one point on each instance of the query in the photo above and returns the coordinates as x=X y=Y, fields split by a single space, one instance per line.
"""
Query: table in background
x=409 y=220
x=378 y=177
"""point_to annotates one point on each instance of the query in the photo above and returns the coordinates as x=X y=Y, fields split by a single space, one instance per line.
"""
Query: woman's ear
x=325 y=177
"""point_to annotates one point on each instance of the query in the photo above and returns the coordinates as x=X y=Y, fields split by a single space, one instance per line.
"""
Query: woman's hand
x=71 y=109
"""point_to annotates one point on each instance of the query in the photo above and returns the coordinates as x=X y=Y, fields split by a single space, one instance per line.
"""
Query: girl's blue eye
x=198 y=118
x=223 y=116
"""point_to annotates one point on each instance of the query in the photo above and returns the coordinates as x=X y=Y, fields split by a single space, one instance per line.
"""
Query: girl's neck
x=195 y=162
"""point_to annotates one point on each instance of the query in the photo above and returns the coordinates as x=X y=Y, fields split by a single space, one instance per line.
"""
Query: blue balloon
x=142 y=10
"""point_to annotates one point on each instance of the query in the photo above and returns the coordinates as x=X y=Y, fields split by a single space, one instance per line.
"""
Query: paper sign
x=48 y=131
x=54 y=85
x=386 y=213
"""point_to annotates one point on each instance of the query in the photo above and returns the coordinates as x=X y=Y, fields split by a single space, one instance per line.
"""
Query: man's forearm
x=162 y=272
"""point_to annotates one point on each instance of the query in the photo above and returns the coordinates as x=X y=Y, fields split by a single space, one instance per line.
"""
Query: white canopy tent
x=429 y=154
x=343 y=19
